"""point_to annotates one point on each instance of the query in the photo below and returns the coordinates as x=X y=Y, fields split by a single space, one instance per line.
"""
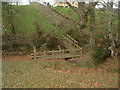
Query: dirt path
x=16 y=58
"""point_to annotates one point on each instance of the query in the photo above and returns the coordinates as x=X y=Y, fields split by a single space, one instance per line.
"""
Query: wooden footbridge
x=72 y=50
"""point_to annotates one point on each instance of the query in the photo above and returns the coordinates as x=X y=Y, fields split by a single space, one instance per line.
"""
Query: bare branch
x=105 y=4
x=72 y=7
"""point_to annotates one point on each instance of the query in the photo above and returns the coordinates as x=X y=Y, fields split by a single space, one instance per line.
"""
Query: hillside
x=25 y=17
x=55 y=17
x=56 y=20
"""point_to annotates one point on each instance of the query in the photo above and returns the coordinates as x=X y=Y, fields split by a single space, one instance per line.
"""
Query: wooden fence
x=58 y=54
x=72 y=50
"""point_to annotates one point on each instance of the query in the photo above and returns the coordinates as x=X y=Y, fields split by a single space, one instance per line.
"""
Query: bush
x=100 y=48
x=16 y=47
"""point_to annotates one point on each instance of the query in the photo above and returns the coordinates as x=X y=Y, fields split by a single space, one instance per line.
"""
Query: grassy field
x=57 y=74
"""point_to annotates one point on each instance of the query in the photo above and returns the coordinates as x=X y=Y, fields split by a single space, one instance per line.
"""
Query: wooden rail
x=57 y=54
x=73 y=50
x=71 y=41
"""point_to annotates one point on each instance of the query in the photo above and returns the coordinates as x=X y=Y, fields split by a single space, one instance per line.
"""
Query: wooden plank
x=58 y=54
x=59 y=47
x=57 y=51
x=52 y=51
x=59 y=57
x=72 y=39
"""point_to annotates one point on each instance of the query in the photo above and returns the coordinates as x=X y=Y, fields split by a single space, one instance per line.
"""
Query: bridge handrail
x=72 y=39
x=54 y=51
x=75 y=43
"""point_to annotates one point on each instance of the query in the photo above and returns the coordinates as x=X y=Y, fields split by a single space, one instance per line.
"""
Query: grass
x=55 y=74
x=67 y=12
x=24 y=18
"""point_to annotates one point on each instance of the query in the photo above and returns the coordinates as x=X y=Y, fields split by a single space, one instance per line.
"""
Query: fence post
x=44 y=54
x=59 y=47
x=35 y=52
x=53 y=52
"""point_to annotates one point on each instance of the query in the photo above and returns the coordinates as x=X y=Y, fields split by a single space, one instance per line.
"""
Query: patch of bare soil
x=16 y=58
x=24 y=58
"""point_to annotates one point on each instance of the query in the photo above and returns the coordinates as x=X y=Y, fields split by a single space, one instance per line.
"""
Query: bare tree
x=84 y=10
x=92 y=21
x=110 y=12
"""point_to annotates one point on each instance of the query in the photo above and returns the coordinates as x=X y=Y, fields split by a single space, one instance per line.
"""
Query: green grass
x=67 y=12
x=55 y=74
x=24 y=18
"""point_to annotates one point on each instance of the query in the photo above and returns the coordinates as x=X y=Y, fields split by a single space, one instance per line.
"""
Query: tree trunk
x=110 y=11
x=0 y=29
x=83 y=15
x=92 y=22
x=110 y=20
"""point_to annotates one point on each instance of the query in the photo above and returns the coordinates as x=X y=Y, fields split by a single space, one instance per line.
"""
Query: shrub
x=100 y=48
x=16 y=47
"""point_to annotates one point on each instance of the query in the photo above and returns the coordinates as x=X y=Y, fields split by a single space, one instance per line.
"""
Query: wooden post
x=44 y=53
x=35 y=52
x=59 y=47
x=53 y=52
